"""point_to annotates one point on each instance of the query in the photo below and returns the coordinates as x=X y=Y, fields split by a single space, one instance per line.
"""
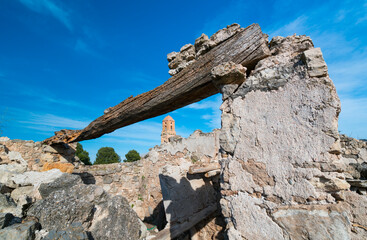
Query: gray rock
x=178 y=61
x=115 y=219
x=171 y=56
x=290 y=44
x=314 y=223
x=251 y=221
x=357 y=211
x=23 y=191
x=107 y=179
x=104 y=216
x=227 y=77
x=32 y=178
x=225 y=33
x=358 y=183
x=7 y=171
x=7 y=205
x=315 y=62
x=63 y=182
x=16 y=157
x=24 y=231
x=74 y=231
x=5 y=189
x=335 y=185
x=203 y=44
x=5 y=219
x=61 y=208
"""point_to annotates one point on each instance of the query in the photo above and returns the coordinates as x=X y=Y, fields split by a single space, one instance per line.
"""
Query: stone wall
x=37 y=156
x=139 y=181
x=281 y=150
x=354 y=154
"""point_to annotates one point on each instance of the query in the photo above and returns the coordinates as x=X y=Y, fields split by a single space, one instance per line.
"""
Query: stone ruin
x=277 y=169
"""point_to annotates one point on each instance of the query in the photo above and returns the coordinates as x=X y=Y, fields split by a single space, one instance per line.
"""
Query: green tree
x=82 y=154
x=106 y=155
x=132 y=156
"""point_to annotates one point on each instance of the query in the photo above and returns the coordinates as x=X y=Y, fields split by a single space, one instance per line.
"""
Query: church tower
x=168 y=129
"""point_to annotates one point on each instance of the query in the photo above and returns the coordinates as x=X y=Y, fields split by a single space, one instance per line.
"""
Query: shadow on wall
x=86 y=177
x=158 y=217
x=65 y=150
x=192 y=201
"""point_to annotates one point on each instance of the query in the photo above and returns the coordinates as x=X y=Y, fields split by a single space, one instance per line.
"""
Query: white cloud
x=206 y=104
x=297 y=26
x=146 y=130
x=213 y=117
x=52 y=121
x=83 y=47
x=49 y=7
x=44 y=96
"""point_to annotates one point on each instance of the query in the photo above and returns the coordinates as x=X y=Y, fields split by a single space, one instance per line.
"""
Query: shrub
x=106 y=155
x=82 y=154
x=132 y=156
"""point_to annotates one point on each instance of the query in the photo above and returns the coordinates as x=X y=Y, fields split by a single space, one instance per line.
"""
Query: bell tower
x=168 y=129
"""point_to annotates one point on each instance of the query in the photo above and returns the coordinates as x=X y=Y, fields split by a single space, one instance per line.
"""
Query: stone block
x=63 y=167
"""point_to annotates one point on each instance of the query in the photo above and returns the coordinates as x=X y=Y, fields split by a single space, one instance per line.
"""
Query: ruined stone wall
x=354 y=154
x=281 y=150
x=139 y=182
x=38 y=157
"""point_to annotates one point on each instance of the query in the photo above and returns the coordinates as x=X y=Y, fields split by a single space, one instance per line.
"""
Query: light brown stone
x=63 y=167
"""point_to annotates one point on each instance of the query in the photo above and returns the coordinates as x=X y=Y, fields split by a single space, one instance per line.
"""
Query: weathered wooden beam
x=192 y=84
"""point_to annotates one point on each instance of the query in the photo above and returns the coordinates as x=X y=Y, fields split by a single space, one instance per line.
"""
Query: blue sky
x=63 y=62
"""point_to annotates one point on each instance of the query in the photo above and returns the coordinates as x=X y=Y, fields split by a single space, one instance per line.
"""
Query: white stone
x=4 y=139
x=36 y=178
x=315 y=62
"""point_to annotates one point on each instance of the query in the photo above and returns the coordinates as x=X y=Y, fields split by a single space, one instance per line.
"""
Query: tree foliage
x=132 y=156
x=82 y=154
x=106 y=155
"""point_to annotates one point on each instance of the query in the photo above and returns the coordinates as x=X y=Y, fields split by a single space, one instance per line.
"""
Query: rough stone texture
x=357 y=212
x=291 y=44
x=7 y=205
x=98 y=212
x=5 y=219
x=177 y=61
x=24 y=231
x=139 y=182
x=227 y=77
x=63 y=167
x=75 y=232
x=36 y=178
x=35 y=155
x=279 y=136
x=184 y=197
x=316 y=65
x=354 y=154
x=203 y=44
x=62 y=182
x=314 y=223
x=7 y=171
